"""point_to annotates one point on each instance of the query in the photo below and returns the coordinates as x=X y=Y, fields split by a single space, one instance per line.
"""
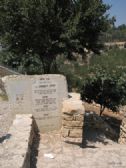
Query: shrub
x=105 y=88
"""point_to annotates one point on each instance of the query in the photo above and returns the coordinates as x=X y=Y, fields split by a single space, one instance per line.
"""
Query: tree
x=48 y=28
x=92 y=22
x=105 y=88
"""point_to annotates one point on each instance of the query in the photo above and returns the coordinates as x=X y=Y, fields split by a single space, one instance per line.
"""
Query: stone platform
x=55 y=152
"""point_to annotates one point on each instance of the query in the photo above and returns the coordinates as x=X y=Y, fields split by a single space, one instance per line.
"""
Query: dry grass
x=3 y=97
x=107 y=112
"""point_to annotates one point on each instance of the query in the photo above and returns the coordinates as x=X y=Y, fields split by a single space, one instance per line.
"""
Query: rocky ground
x=5 y=118
x=52 y=151
x=96 y=108
x=56 y=152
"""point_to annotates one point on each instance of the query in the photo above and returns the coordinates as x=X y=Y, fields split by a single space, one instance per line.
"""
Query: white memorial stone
x=41 y=95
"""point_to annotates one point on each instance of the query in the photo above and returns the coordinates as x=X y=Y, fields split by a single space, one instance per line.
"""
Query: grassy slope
x=114 y=57
x=111 y=60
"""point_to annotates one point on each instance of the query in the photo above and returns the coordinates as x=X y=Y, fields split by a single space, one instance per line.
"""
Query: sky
x=118 y=10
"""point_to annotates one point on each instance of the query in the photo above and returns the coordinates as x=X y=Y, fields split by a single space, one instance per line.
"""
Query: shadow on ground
x=34 y=147
x=100 y=129
x=6 y=137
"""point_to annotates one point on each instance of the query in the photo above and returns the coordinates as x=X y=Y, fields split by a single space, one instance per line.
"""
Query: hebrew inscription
x=44 y=96
x=41 y=95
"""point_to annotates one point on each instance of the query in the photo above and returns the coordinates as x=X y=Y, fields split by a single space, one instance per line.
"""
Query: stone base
x=18 y=143
x=73 y=118
x=122 y=138
x=72 y=133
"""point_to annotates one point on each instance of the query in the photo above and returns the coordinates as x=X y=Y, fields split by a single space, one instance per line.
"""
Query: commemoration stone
x=41 y=95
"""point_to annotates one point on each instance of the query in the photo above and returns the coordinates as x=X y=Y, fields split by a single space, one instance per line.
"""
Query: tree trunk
x=102 y=108
x=47 y=64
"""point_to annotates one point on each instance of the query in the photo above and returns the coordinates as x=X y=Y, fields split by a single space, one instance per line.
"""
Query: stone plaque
x=41 y=95
x=44 y=97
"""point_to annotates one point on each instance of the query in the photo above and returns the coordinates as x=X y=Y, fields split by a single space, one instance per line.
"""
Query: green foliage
x=77 y=72
x=105 y=88
x=91 y=23
x=29 y=64
x=3 y=97
x=115 y=34
x=68 y=69
x=32 y=28
x=111 y=59
x=47 y=28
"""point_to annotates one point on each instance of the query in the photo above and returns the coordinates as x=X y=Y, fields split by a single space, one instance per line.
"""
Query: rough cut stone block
x=77 y=123
x=73 y=118
x=72 y=123
x=65 y=132
x=67 y=117
x=73 y=107
x=41 y=95
x=79 y=118
x=73 y=140
x=122 y=138
x=76 y=133
x=17 y=147
x=75 y=96
x=67 y=123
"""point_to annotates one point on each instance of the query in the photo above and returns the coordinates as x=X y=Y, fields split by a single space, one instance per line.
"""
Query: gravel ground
x=54 y=152
x=5 y=118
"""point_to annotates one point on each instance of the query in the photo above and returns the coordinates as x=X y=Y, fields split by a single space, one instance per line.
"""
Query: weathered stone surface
x=67 y=117
x=75 y=133
x=76 y=117
x=72 y=123
x=71 y=155
x=17 y=146
x=41 y=95
x=65 y=132
x=123 y=129
x=4 y=72
x=73 y=107
x=73 y=118
x=122 y=138
x=75 y=96
x=79 y=117
x=2 y=90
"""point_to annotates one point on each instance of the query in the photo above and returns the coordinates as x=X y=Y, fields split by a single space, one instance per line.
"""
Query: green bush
x=105 y=88
x=27 y=64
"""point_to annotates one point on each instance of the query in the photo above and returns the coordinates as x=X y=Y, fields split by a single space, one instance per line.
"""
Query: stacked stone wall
x=73 y=118
x=122 y=138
